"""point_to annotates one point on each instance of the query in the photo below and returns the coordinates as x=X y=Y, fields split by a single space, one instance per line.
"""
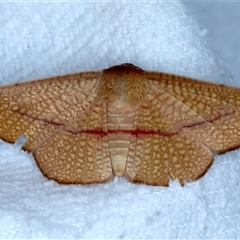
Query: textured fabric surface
x=41 y=39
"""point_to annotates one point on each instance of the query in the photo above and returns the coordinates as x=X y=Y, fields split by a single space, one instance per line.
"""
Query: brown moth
x=147 y=126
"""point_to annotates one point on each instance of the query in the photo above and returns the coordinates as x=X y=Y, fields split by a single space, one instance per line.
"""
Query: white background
x=41 y=40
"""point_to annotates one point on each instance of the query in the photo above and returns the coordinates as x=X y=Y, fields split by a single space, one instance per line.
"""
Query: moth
x=147 y=126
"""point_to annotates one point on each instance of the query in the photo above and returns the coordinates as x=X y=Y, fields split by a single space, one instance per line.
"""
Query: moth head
x=124 y=81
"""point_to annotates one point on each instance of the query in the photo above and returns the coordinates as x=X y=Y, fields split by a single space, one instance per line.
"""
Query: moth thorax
x=125 y=87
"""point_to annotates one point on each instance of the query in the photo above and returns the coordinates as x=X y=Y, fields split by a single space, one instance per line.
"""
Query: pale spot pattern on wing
x=147 y=126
